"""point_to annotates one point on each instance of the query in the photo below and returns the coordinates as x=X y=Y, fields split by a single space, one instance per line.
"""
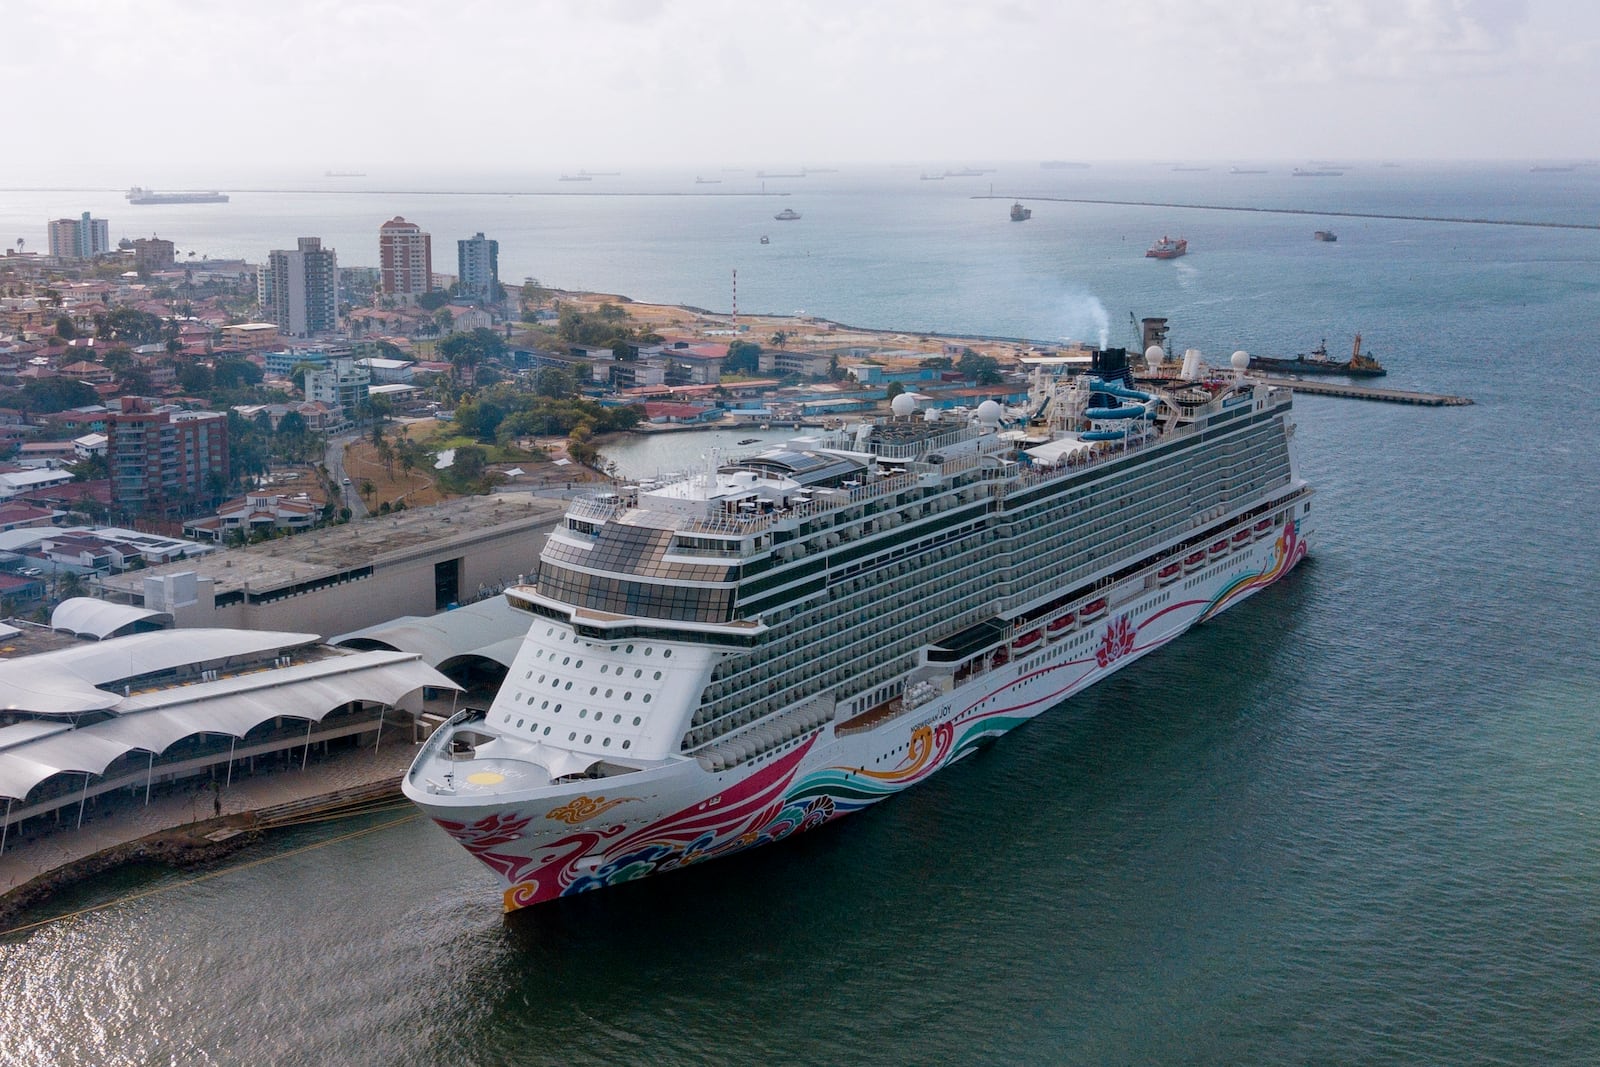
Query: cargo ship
x=1020 y=213
x=1359 y=365
x=140 y=195
x=1167 y=248
x=727 y=658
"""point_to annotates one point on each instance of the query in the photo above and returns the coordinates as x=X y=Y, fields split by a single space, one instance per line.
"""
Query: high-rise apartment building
x=405 y=259
x=164 y=461
x=342 y=385
x=478 y=266
x=152 y=253
x=79 y=238
x=299 y=289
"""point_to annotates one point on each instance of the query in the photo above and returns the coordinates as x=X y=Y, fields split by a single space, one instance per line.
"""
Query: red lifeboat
x=1167 y=573
x=1026 y=641
x=1094 y=609
x=1060 y=626
x=1263 y=526
x=1241 y=537
x=1195 y=561
x=1220 y=547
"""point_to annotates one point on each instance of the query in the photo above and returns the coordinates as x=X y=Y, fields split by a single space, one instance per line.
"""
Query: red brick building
x=164 y=461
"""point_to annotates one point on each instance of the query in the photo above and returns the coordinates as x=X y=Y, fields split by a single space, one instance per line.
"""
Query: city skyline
x=690 y=84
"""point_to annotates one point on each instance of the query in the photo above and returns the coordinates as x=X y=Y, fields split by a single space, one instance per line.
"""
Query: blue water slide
x=1132 y=411
x=1103 y=435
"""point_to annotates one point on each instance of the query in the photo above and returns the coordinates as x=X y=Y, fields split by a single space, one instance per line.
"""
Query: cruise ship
x=724 y=659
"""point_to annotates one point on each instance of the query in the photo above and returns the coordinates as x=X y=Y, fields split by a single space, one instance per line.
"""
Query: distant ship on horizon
x=344 y=174
x=140 y=195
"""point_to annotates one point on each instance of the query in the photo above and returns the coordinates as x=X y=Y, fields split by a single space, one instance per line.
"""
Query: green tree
x=743 y=358
x=894 y=390
x=979 y=369
x=65 y=329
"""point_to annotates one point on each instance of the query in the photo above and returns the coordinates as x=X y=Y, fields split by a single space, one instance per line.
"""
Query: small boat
x=1167 y=248
x=765 y=239
x=1020 y=213
x=1094 y=609
x=749 y=440
x=788 y=214
x=1168 y=573
x=1325 y=235
x=1220 y=547
x=1195 y=561
x=1241 y=537
x=1060 y=626
x=1026 y=640
x=1263 y=527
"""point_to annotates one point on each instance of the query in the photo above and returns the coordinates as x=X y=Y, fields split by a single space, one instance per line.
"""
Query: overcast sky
x=552 y=85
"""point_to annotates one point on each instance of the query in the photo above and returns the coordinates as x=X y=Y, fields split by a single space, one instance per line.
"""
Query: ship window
x=593 y=689
x=542 y=677
x=638 y=673
x=567 y=687
x=647 y=698
x=547 y=730
x=616 y=718
x=565 y=660
x=558 y=709
x=543 y=704
x=658 y=676
x=666 y=653
x=520 y=722
x=630 y=650
x=609 y=692
x=573 y=736
x=583 y=714
x=587 y=738
x=606 y=742
x=637 y=720
x=628 y=695
x=627 y=744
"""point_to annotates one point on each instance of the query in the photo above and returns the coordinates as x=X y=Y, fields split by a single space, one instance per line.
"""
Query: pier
x=1370 y=392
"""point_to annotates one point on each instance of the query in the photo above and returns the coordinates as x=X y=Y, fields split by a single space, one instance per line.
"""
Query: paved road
x=333 y=459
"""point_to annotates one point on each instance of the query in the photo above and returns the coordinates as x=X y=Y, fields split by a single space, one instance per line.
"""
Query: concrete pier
x=1369 y=392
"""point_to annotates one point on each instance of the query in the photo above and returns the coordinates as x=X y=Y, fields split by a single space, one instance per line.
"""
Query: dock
x=1370 y=392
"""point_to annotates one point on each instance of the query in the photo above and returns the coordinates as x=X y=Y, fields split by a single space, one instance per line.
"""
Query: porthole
x=666 y=653
x=543 y=704
x=647 y=698
x=542 y=677
x=547 y=730
x=658 y=676
x=628 y=695
x=616 y=718
x=593 y=689
x=550 y=631
x=567 y=688
x=565 y=660
x=558 y=709
x=630 y=650
x=573 y=736
x=587 y=738
x=579 y=665
x=519 y=723
x=649 y=651
x=627 y=744
x=638 y=673
x=604 y=668
x=637 y=720
x=609 y=692
x=584 y=714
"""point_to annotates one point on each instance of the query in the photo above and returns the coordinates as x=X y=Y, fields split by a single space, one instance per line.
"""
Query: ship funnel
x=1191 y=364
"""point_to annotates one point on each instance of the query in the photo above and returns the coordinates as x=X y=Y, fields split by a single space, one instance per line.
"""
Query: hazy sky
x=561 y=84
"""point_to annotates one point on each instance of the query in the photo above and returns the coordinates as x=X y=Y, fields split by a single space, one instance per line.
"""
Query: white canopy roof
x=89 y=616
x=441 y=637
x=66 y=681
x=153 y=722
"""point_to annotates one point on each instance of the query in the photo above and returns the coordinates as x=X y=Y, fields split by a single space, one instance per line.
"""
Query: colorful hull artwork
x=591 y=842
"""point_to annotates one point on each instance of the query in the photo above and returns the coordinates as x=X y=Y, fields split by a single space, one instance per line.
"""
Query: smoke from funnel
x=1083 y=316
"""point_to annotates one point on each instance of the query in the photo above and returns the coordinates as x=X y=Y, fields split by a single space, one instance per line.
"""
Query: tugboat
x=1167 y=248
x=1020 y=213
x=788 y=214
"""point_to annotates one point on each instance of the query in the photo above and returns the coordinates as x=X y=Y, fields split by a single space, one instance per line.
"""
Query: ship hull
x=1314 y=366
x=586 y=835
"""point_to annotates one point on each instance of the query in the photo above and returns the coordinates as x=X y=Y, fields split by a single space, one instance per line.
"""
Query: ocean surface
x=1355 y=819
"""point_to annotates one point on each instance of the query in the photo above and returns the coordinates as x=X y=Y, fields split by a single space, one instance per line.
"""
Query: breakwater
x=1535 y=223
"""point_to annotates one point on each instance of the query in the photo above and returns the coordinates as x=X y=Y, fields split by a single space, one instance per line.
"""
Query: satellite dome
x=903 y=405
x=1240 y=360
x=1154 y=354
x=989 y=413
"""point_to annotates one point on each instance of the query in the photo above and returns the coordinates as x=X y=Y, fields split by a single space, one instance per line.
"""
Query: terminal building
x=97 y=727
x=344 y=578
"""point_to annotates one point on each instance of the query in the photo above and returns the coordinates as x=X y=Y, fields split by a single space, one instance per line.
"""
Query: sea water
x=1352 y=820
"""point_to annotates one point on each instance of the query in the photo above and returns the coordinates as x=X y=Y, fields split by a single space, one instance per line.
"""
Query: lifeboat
x=1168 y=573
x=1060 y=626
x=1219 y=548
x=1263 y=527
x=1242 y=537
x=1094 y=609
x=1195 y=561
x=1026 y=641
